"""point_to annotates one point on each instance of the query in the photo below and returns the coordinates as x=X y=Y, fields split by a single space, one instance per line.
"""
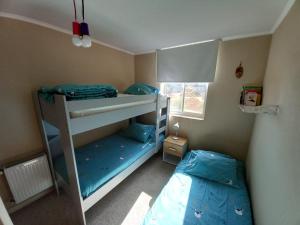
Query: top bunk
x=85 y=115
x=95 y=106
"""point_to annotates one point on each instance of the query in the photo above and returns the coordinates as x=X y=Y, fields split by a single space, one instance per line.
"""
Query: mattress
x=101 y=160
x=189 y=200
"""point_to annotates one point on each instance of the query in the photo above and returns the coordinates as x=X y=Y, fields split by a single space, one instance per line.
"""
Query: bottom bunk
x=191 y=200
x=102 y=160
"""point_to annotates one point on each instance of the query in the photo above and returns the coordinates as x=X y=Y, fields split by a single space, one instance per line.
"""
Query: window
x=187 y=99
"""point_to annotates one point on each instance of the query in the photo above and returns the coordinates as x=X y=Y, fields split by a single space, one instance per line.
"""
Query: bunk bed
x=92 y=171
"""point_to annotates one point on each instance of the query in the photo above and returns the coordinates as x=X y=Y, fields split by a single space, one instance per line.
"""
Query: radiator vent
x=28 y=178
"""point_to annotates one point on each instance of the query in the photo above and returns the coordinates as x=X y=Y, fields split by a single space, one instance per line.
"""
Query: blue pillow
x=139 y=132
x=212 y=166
x=141 y=89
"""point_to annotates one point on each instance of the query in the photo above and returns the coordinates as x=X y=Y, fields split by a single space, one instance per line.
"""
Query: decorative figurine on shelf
x=176 y=129
x=239 y=71
x=251 y=95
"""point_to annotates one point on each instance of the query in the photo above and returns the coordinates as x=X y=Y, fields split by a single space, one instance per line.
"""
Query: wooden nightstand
x=174 y=149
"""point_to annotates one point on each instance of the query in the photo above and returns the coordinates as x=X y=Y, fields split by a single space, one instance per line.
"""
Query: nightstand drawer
x=174 y=149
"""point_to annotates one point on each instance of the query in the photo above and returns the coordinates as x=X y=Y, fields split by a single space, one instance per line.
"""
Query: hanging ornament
x=86 y=40
x=239 y=71
x=81 y=34
x=84 y=29
x=76 y=39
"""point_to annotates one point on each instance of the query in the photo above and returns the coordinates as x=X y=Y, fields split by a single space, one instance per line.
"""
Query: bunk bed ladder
x=167 y=113
x=162 y=114
x=157 y=123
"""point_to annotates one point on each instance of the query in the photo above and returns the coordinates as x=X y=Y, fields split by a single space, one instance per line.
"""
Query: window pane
x=175 y=92
x=194 y=97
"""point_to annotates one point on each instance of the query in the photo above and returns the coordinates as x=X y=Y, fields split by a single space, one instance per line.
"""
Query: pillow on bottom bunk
x=139 y=132
x=212 y=166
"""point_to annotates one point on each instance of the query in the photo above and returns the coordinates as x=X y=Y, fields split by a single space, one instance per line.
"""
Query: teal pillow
x=139 y=132
x=141 y=89
x=212 y=166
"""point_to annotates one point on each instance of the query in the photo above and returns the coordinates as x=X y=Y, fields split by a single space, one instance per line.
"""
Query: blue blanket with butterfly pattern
x=190 y=200
x=101 y=160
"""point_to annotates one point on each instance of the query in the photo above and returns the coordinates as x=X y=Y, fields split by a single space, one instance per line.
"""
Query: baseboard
x=15 y=207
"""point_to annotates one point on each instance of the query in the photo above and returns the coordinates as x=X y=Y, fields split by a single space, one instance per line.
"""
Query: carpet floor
x=124 y=205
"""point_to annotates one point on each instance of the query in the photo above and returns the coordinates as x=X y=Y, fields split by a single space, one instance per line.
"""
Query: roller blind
x=191 y=63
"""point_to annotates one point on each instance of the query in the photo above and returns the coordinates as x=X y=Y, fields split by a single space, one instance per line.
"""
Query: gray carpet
x=120 y=205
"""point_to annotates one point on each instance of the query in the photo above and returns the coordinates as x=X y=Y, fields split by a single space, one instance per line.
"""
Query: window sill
x=187 y=117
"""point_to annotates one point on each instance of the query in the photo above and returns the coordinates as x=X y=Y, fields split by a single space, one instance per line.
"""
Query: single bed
x=190 y=200
x=100 y=161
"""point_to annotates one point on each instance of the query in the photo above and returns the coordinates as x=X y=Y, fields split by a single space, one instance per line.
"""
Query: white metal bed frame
x=105 y=111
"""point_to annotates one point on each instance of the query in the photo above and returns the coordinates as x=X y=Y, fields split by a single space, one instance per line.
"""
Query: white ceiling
x=144 y=25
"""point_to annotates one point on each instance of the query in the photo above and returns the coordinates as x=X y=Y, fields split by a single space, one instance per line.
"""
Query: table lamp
x=176 y=129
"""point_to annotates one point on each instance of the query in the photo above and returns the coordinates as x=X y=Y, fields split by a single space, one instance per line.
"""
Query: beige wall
x=274 y=156
x=32 y=56
x=145 y=69
x=225 y=128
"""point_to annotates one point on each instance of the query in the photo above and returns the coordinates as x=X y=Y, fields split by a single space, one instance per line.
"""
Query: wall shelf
x=266 y=109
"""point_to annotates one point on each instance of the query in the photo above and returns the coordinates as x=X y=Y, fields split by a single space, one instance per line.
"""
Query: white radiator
x=28 y=178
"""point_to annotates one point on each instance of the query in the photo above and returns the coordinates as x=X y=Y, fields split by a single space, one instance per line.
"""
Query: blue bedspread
x=78 y=92
x=101 y=160
x=190 y=200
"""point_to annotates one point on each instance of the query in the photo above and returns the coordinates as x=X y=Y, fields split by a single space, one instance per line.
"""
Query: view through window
x=187 y=99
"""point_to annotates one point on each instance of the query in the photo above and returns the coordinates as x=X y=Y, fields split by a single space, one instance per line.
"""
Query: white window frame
x=190 y=115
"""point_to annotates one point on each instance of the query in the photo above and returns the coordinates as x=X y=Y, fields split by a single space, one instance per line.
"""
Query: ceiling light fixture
x=81 y=34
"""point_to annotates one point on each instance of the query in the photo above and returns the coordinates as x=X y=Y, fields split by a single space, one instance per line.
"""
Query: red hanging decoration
x=76 y=28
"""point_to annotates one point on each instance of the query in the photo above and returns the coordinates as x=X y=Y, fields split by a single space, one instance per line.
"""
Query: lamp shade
x=76 y=28
x=84 y=28
x=176 y=126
